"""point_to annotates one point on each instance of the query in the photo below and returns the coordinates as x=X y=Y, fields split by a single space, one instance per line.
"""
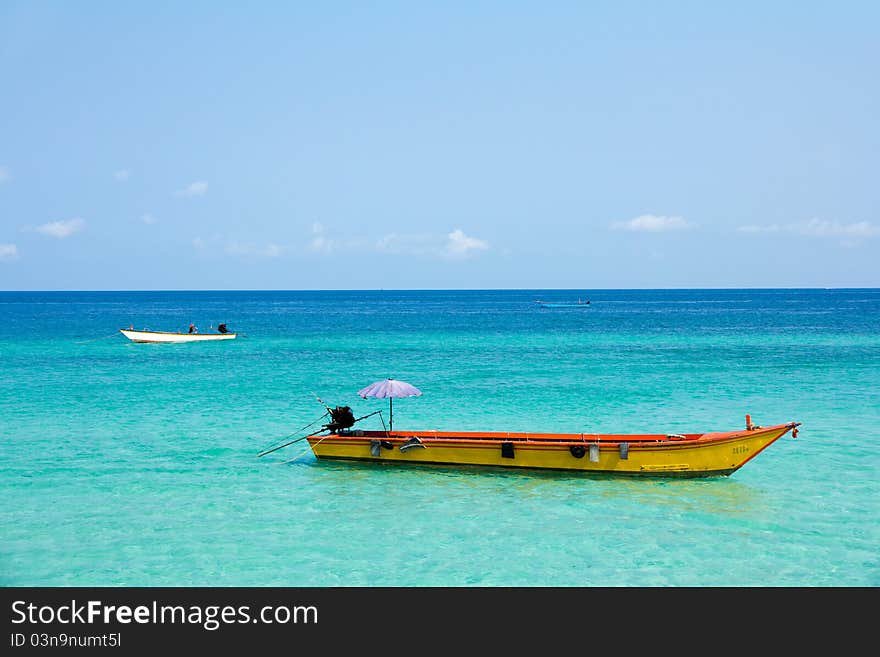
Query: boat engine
x=342 y=418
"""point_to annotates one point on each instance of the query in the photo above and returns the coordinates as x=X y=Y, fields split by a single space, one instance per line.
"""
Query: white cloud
x=825 y=228
x=650 y=223
x=198 y=188
x=62 y=229
x=217 y=243
x=752 y=228
x=409 y=244
x=819 y=228
x=460 y=245
x=121 y=175
x=148 y=219
x=452 y=245
x=8 y=252
x=4 y=175
x=319 y=243
x=268 y=251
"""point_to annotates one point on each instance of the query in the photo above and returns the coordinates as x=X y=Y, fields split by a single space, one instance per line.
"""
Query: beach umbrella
x=390 y=389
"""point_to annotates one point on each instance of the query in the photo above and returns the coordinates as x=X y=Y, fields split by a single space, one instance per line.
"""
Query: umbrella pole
x=391 y=414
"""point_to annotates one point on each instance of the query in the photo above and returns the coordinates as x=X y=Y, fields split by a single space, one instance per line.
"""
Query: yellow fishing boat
x=707 y=454
x=687 y=455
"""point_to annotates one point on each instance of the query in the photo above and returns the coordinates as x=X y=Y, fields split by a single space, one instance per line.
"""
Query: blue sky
x=403 y=145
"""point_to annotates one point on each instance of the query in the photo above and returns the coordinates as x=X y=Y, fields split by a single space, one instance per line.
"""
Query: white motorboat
x=167 y=336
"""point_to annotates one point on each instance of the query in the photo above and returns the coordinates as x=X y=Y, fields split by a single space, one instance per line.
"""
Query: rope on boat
x=269 y=450
x=301 y=455
x=275 y=449
x=104 y=337
x=294 y=460
x=314 y=433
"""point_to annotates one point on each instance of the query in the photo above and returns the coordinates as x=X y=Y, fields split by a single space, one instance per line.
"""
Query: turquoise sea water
x=135 y=464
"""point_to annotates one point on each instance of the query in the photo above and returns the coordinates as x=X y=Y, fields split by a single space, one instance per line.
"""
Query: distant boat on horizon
x=563 y=304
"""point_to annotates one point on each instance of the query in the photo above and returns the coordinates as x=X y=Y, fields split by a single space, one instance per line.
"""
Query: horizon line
x=450 y=289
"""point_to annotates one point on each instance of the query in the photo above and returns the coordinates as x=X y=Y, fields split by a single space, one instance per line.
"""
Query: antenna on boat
x=321 y=401
x=287 y=444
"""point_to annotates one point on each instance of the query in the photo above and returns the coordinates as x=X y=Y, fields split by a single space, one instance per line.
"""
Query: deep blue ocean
x=136 y=464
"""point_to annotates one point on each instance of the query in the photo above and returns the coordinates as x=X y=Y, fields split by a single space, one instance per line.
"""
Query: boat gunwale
x=636 y=441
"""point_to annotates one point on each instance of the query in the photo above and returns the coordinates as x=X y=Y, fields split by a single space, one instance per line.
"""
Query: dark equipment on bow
x=342 y=418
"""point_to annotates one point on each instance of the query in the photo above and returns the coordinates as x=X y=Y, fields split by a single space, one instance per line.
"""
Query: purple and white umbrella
x=390 y=389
